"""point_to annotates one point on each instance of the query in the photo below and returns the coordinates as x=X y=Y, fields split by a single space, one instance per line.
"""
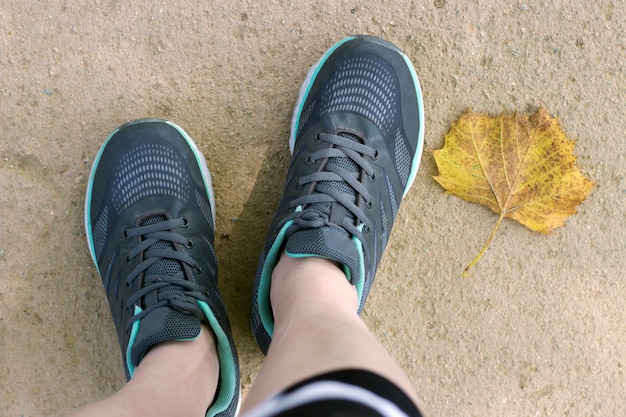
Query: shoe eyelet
x=185 y=222
x=318 y=138
x=376 y=155
x=309 y=160
x=197 y=270
x=125 y=233
x=128 y=260
x=372 y=177
x=366 y=229
x=298 y=185
x=189 y=244
x=369 y=205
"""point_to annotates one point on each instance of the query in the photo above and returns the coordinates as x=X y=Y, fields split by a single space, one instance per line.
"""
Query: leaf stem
x=484 y=249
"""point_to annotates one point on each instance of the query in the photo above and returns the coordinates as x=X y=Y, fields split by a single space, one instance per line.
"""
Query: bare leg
x=317 y=330
x=174 y=379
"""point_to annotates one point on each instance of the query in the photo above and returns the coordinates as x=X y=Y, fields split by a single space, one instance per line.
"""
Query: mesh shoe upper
x=356 y=141
x=150 y=227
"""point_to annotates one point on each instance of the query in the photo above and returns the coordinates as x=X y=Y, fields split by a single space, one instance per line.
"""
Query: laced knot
x=337 y=189
x=163 y=268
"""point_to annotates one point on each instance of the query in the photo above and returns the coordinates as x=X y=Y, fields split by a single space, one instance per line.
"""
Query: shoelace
x=313 y=216
x=174 y=292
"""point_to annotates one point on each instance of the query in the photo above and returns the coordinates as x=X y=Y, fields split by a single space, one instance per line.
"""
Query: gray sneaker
x=356 y=141
x=149 y=218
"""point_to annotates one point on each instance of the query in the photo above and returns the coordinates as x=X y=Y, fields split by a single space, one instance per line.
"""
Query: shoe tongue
x=326 y=242
x=162 y=323
x=167 y=267
x=336 y=211
x=329 y=242
x=346 y=164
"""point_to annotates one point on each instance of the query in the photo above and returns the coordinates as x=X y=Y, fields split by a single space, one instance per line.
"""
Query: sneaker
x=356 y=142
x=149 y=218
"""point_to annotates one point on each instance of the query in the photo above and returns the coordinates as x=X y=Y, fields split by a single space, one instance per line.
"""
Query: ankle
x=302 y=284
x=190 y=369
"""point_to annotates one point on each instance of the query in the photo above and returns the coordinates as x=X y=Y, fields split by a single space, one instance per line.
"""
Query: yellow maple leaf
x=521 y=167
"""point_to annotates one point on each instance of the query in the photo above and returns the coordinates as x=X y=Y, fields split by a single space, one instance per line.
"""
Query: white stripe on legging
x=324 y=391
